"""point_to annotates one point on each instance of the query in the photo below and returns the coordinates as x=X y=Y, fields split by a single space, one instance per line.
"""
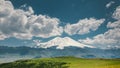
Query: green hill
x=63 y=62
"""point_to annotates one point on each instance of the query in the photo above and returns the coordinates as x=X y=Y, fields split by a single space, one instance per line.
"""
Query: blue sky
x=72 y=17
x=69 y=10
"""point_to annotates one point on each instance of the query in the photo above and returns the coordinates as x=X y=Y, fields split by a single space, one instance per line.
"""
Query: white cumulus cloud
x=116 y=14
x=116 y=24
x=109 y=4
x=111 y=38
x=83 y=26
x=24 y=24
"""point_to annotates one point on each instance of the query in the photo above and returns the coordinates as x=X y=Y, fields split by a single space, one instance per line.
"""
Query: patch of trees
x=32 y=64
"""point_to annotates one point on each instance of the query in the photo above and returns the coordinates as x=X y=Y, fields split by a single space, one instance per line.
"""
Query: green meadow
x=63 y=62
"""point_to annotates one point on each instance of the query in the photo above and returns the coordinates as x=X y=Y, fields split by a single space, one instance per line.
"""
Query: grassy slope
x=68 y=61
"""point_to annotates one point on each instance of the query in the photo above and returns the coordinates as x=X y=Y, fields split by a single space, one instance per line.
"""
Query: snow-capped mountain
x=60 y=43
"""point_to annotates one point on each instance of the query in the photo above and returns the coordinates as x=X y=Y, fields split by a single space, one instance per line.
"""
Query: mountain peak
x=60 y=43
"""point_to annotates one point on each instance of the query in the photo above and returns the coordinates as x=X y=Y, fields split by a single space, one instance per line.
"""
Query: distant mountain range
x=85 y=52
